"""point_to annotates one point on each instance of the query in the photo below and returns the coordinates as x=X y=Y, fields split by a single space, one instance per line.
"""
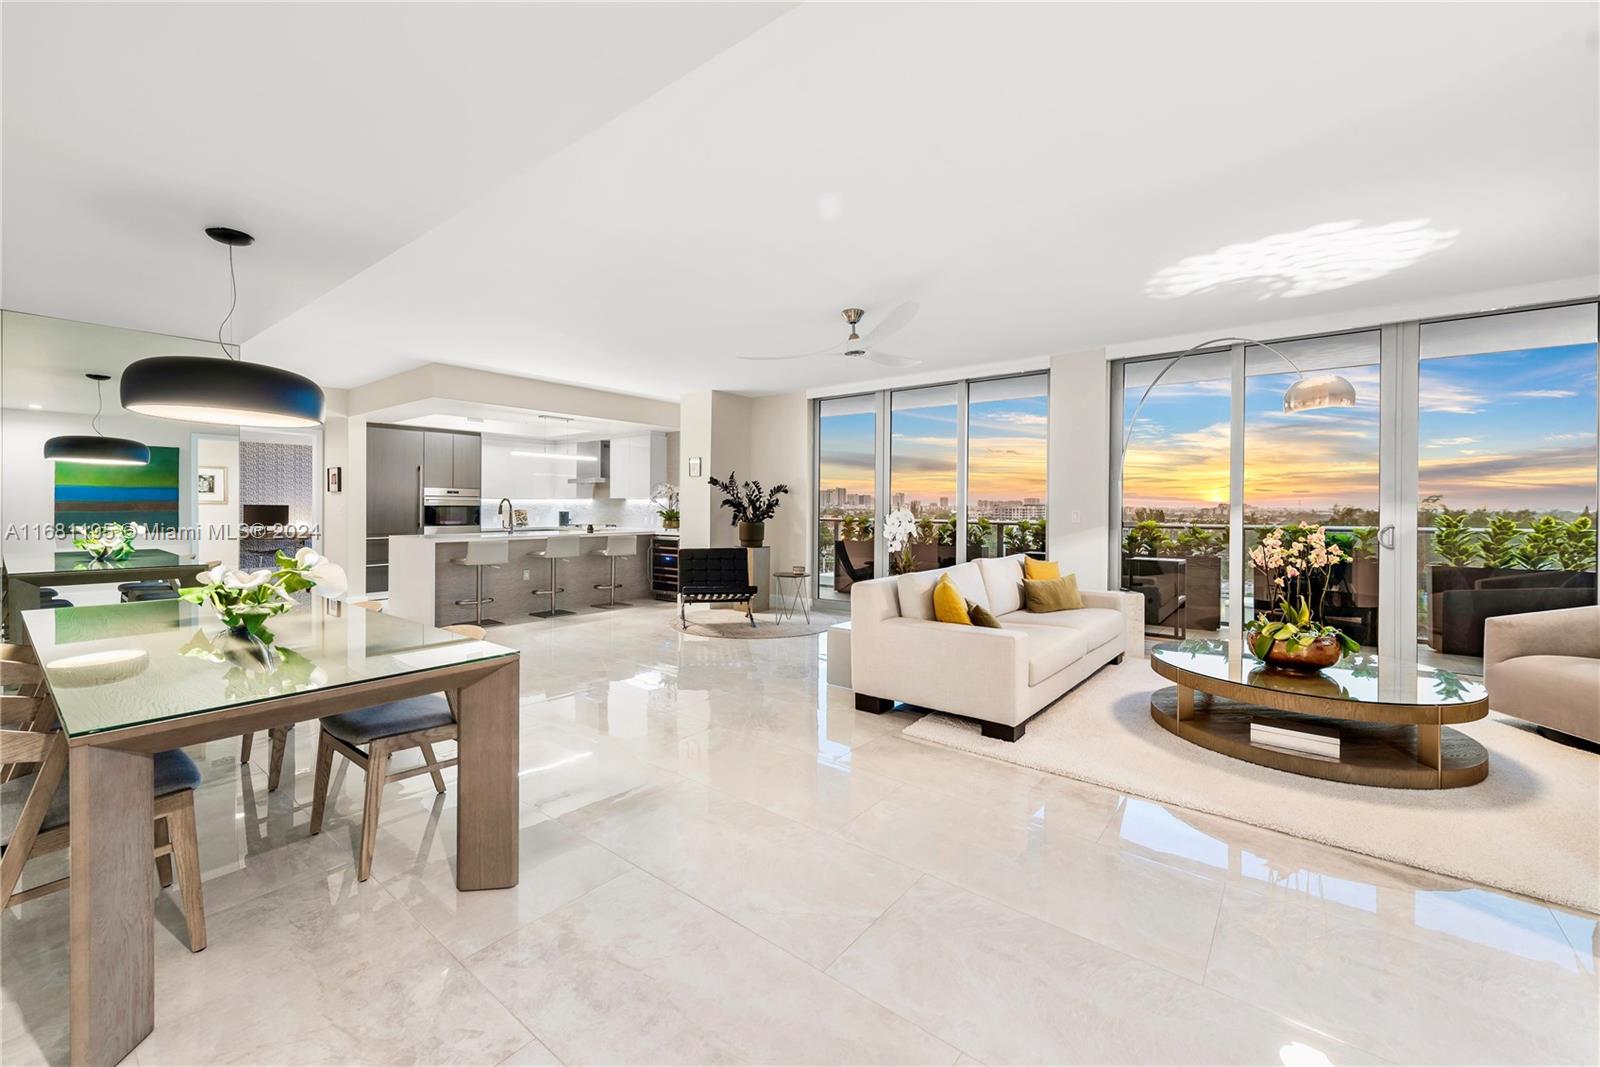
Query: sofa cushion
x=1050 y=649
x=1051 y=594
x=1097 y=625
x=948 y=603
x=981 y=616
x=916 y=589
x=1002 y=579
x=1561 y=692
x=1037 y=570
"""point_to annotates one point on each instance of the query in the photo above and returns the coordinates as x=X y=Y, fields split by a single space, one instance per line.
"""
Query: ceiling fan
x=857 y=347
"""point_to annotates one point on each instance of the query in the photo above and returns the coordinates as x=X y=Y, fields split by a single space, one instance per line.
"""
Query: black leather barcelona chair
x=714 y=576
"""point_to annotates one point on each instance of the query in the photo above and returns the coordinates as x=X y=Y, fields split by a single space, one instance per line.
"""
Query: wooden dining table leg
x=112 y=908
x=486 y=781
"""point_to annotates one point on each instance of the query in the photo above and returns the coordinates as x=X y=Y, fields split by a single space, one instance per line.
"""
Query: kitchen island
x=425 y=581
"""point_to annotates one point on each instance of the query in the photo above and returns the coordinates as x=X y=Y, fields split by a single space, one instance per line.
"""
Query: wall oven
x=450 y=511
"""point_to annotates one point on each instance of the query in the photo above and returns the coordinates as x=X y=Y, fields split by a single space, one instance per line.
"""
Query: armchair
x=714 y=576
x=1544 y=667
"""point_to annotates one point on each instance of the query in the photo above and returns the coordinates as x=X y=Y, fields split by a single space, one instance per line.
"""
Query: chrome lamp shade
x=92 y=448
x=1320 y=391
x=222 y=391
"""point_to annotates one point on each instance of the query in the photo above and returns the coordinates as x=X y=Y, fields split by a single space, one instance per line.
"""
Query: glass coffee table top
x=1362 y=677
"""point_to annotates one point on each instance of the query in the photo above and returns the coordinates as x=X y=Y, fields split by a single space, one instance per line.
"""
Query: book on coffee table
x=1307 y=739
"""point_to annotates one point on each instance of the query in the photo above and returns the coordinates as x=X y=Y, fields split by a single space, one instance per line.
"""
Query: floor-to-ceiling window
x=1316 y=467
x=847 y=491
x=1175 y=489
x=923 y=452
x=1506 y=471
x=1460 y=477
x=1008 y=421
x=961 y=465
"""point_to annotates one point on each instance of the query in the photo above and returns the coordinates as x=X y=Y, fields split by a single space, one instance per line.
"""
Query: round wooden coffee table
x=1358 y=721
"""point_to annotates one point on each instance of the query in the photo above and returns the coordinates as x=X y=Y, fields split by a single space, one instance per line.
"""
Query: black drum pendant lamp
x=227 y=391
x=97 y=448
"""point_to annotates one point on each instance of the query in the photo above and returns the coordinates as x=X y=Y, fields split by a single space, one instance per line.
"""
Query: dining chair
x=419 y=722
x=416 y=722
x=34 y=821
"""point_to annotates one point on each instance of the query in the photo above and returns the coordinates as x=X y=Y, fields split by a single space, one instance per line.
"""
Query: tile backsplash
x=633 y=513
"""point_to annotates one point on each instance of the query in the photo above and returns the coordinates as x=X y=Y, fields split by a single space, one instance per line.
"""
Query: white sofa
x=1002 y=678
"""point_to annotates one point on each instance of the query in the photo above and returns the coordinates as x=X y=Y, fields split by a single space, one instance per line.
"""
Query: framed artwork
x=335 y=477
x=212 y=485
x=86 y=493
x=694 y=466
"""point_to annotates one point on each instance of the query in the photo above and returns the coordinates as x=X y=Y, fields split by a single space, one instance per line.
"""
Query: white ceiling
x=334 y=133
x=1037 y=178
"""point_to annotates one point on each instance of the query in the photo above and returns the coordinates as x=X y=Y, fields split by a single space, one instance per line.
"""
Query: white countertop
x=532 y=535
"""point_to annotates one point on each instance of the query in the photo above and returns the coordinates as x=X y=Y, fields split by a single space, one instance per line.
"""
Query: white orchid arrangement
x=107 y=540
x=1298 y=559
x=899 y=530
x=245 y=600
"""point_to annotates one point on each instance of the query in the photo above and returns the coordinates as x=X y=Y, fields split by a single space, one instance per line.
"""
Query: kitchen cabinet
x=451 y=460
x=466 y=456
x=638 y=465
x=394 y=476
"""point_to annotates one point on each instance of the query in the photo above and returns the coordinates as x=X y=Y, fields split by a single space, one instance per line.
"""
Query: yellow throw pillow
x=982 y=616
x=1038 y=569
x=1052 y=594
x=948 y=603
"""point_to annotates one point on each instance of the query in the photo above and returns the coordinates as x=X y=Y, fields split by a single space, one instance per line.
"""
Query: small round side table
x=786 y=611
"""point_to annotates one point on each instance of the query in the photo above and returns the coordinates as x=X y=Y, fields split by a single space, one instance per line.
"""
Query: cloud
x=1547 y=394
x=1017 y=418
x=1451 y=399
x=1451 y=442
x=1582 y=435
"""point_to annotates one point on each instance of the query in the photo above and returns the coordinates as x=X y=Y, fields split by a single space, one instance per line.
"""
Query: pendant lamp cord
x=99 y=405
x=233 y=302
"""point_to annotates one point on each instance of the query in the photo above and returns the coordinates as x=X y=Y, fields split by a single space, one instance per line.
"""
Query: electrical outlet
x=1077 y=516
x=524 y=574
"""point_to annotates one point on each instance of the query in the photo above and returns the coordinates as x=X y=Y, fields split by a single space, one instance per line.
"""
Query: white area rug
x=1532 y=827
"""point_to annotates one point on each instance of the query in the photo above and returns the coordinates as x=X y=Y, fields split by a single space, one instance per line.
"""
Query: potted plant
x=751 y=505
x=1201 y=551
x=665 y=498
x=899 y=529
x=1298 y=563
x=246 y=600
x=980 y=536
x=107 y=540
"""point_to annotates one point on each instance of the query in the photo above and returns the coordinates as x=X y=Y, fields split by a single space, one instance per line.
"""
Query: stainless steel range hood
x=593 y=473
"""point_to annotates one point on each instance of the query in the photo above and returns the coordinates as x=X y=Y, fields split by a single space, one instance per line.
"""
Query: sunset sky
x=1508 y=429
x=1007 y=440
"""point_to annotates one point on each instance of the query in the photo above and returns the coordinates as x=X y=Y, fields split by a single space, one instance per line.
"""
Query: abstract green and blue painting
x=88 y=493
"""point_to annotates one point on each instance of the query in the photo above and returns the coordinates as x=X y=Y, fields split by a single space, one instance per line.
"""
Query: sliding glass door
x=1506 y=473
x=924 y=453
x=1460 y=481
x=847 y=492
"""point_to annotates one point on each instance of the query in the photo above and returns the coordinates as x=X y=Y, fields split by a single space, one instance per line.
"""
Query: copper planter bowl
x=1323 y=652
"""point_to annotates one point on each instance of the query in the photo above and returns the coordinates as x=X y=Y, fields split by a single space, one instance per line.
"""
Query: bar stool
x=616 y=548
x=481 y=554
x=555 y=550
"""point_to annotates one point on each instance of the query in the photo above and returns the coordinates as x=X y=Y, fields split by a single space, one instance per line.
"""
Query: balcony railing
x=1000 y=529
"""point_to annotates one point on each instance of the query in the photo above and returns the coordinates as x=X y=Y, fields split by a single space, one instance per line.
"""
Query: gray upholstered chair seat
x=174 y=771
x=387 y=720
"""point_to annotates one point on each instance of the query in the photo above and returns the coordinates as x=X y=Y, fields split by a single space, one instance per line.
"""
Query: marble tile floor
x=722 y=861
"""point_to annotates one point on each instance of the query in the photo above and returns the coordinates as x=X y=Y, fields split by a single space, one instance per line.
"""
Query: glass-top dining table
x=130 y=680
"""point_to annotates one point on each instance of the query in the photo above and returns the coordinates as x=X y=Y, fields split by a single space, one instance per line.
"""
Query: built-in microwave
x=450 y=511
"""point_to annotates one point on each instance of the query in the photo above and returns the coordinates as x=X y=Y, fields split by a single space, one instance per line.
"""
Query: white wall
x=219 y=523
x=694 y=494
x=780 y=452
x=1080 y=464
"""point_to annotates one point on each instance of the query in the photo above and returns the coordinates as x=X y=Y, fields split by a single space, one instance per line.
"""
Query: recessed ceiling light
x=1330 y=255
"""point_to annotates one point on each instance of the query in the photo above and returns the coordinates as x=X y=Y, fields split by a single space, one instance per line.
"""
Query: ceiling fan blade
x=893 y=322
x=888 y=360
